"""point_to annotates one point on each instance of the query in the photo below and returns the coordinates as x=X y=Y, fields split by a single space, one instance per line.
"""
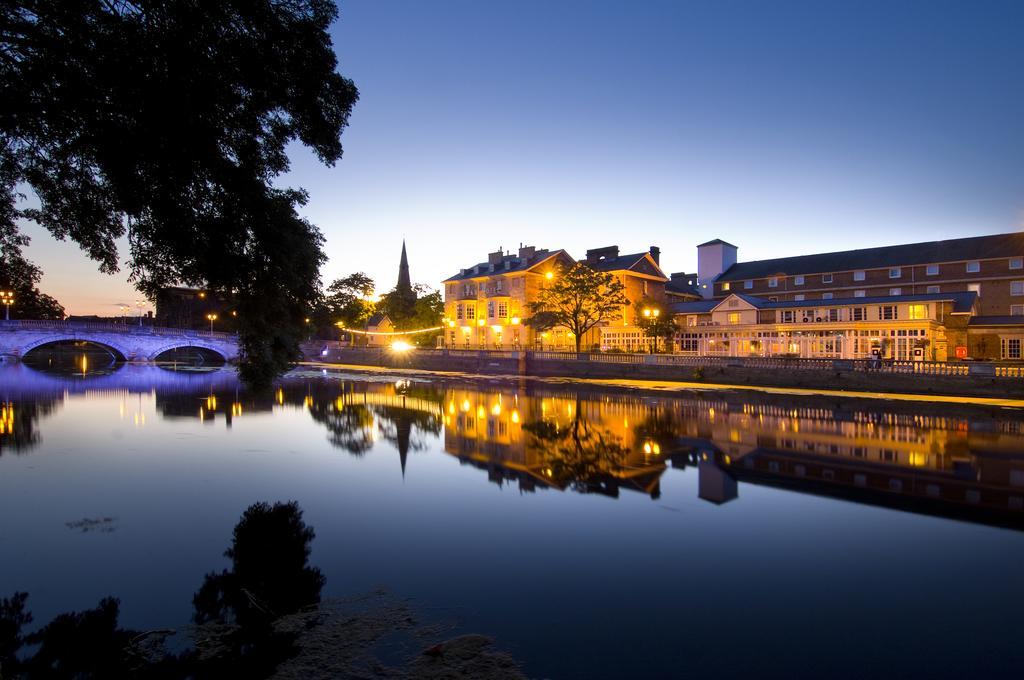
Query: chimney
x=595 y=255
x=656 y=254
x=526 y=252
x=495 y=257
x=713 y=259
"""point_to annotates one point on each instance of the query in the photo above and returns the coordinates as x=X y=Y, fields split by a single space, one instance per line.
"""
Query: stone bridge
x=125 y=341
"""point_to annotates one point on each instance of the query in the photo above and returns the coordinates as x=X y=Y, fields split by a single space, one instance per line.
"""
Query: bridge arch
x=117 y=351
x=191 y=342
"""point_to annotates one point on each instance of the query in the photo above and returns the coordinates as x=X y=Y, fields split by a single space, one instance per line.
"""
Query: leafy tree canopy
x=166 y=121
x=346 y=301
x=578 y=299
x=19 y=276
x=423 y=309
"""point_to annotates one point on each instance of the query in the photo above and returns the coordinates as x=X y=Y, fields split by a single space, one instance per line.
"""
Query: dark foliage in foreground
x=166 y=121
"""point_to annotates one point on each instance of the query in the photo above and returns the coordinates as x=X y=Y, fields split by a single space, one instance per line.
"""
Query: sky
x=783 y=127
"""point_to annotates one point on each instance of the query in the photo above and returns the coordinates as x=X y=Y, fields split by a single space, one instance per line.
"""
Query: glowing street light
x=7 y=298
x=140 y=304
x=212 y=318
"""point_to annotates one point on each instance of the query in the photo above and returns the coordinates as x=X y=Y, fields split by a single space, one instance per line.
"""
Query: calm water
x=594 y=534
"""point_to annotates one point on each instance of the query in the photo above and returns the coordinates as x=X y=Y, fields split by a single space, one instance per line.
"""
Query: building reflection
x=926 y=460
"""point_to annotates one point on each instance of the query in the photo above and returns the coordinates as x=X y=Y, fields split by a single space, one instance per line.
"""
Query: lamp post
x=212 y=318
x=7 y=298
x=124 y=314
x=140 y=304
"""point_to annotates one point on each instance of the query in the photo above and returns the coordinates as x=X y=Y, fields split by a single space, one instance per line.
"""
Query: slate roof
x=962 y=302
x=623 y=262
x=515 y=264
x=715 y=242
x=952 y=250
x=678 y=284
x=376 y=319
x=1016 y=320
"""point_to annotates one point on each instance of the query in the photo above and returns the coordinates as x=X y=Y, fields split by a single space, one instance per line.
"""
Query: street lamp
x=212 y=318
x=124 y=314
x=7 y=298
x=140 y=304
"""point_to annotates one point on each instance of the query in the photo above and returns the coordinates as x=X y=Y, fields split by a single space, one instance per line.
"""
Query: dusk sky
x=782 y=127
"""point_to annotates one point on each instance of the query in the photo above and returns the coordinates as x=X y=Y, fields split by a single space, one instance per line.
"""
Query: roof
x=1016 y=320
x=963 y=302
x=952 y=250
x=683 y=284
x=622 y=262
x=376 y=319
x=715 y=242
x=515 y=264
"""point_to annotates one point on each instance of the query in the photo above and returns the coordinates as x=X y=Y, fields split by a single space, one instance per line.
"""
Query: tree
x=167 y=121
x=20 y=276
x=422 y=309
x=656 y=322
x=346 y=302
x=578 y=300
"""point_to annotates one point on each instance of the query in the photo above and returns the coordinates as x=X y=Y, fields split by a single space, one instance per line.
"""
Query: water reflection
x=939 y=459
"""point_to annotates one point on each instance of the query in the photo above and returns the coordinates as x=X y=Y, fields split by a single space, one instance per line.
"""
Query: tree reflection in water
x=235 y=609
x=582 y=456
x=19 y=423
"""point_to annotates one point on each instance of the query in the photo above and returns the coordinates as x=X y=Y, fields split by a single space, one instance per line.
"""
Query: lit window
x=918 y=311
x=458 y=312
x=859 y=293
x=502 y=310
x=973 y=267
x=895 y=291
x=691 y=321
x=798 y=297
x=490 y=309
x=1016 y=310
x=1016 y=287
x=798 y=280
x=826 y=296
x=976 y=288
x=895 y=272
x=826 y=278
x=747 y=285
x=858 y=275
x=773 y=282
x=470 y=312
x=932 y=289
x=734 y=317
x=725 y=286
x=1017 y=263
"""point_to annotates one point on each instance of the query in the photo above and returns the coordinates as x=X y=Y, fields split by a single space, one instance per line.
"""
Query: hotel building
x=950 y=299
x=485 y=304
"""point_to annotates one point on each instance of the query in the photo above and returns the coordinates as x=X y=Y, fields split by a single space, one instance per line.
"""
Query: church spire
x=404 y=282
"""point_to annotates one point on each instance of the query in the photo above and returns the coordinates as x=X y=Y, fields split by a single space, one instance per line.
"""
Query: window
x=1016 y=287
x=1011 y=348
x=859 y=313
x=918 y=312
x=858 y=275
x=798 y=280
x=887 y=312
x=859 y=293
x=773 y=282
x=798 y=297
x=1016 y=310
x=773 y=298
x=497 y=286
x=1017 y=263
x=895 y=272
x=973 y=267
x=932 y=270
x=691 y=320
x=734 y=317
x=826 y=296
x=458 y=312
x=502 y=310
x=976 y=288
x=895 y=291
x=470 y=312
x=826 y=278
x=490 y=309
x=832 y=315
x=788 y=316
x=932 y=289
x=747 y=285
x=725 y=286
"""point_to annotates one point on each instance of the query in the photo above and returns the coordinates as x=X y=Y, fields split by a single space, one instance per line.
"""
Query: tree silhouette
x=167 y=122
x=578 y=300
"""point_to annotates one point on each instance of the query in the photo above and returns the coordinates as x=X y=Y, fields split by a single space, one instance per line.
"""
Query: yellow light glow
x=657 y=449
x=451 y=407
x=480 y=412
x=647 y=447
x=481 y=322
x=280 y=397
x=515 y=416
x=465 y=405
x=496 y=329
x=400 y=346
x=496 y=410
x=515 y=320
x=549 y=276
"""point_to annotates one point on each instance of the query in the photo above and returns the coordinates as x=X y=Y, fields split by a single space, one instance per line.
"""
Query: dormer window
x=747 y=285
x=973 y=267
x=773 y=282
x=798 y=280
x=725 y=287
x=826 y=278
x=895 y=272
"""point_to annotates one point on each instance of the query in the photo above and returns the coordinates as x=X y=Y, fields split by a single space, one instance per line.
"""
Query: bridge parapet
x=136 y=343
